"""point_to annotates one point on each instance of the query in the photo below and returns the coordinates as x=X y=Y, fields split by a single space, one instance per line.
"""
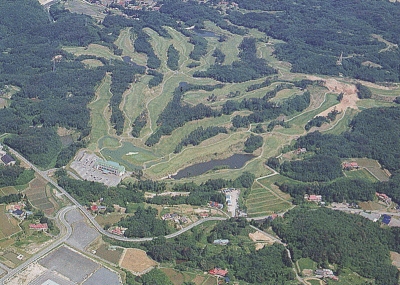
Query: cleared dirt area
x=395 y=257
x=136 y=261
x=32 y=272
x=260 y=239
x=349 y=94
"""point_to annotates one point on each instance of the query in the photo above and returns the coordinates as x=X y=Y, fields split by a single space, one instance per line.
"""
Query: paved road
x=65 y=233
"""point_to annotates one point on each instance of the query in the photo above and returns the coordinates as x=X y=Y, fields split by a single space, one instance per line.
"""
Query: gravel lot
x=69 y=263
x=50 y=275
x=103 y=276
x=82 y=235
x=74 y=216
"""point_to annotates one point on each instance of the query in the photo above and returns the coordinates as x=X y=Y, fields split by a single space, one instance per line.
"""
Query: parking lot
x=84 y=165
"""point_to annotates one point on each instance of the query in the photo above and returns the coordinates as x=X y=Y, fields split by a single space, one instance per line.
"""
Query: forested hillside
x=335 y=237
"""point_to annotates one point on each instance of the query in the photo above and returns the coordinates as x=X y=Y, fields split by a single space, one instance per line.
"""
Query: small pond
x=233 y=162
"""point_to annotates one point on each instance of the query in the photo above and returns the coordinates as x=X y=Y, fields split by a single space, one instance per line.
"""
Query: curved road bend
x=65 y=233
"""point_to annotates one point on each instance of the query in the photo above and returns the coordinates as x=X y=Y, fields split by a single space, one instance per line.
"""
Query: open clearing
x=260 y=239
x=8 y=224
x=136 y=261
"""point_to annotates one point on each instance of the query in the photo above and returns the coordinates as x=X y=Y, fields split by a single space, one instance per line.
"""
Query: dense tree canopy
x=334 y=237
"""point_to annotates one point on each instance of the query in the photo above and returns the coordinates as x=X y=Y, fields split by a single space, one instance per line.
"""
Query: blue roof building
x=386 y=219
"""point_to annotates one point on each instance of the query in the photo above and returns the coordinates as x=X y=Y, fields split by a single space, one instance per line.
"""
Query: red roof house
x=94 y=208
x=38 y=226
x=218 y=271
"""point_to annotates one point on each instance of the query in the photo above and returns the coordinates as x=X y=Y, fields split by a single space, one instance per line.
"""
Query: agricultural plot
x=263 y=201
x=362 y=174
x=37 y=195
x=136 y=261
x=112 y=254
x=373 y=168
x=179 y=277
x=8 y=190
x=8 y=224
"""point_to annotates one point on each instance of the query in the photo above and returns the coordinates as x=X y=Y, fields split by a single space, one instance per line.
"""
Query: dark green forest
x=368 y=137
x=334 y=237
x=317 y=32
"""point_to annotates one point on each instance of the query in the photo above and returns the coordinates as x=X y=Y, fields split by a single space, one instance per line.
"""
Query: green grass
x=100 y=123
x=343 y=122
x=306 y=263
x=93 y=49
x=347 y=277
x=362 y=174
x=8 y=190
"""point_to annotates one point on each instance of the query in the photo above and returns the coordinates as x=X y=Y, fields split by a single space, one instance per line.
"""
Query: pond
x=233 y=162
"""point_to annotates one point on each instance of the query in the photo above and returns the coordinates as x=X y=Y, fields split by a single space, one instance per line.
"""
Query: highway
x=65 y=233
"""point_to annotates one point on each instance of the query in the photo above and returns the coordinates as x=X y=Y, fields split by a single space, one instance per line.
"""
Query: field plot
x=263 y=202
x=373 y=168
x=8 y=190
x=111 y=254
x=179 y=277
x=8 y=225
x=136 y=261
x=37 y=195
x=265 y=198
x=362 y=174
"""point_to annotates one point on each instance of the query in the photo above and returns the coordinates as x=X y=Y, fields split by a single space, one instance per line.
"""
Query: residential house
x=313 y=198
x=8 y=160
x=218 y=272
x=384 y=198
x=39 y=227
x=221 y=241
x=350 y=165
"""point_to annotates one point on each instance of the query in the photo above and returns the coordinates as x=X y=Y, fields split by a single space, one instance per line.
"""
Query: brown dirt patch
x=175 y=276
x=198 y=280
x=260 y=239
x=136 y=261
x=349 y=91
x=395 y=257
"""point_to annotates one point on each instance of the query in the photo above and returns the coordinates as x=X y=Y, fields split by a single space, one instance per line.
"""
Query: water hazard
x=233 y=162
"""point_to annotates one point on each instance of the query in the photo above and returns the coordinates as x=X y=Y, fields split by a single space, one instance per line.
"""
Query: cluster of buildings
x=216 y=205
x=313 y=198
x=384 y=198
x=175 y=217
x=350 y=165
x=97 y=208
x=5 y=158
x=17 y=211
x=325 y=273
x=300 y=150
x=119 y=231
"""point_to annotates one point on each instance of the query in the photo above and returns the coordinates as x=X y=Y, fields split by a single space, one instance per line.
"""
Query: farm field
x=8 y=224
x=373 y=168
x=362 y=174
x=136 y=261
x=264 y=201
x=179 y=277
x=38 y=194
